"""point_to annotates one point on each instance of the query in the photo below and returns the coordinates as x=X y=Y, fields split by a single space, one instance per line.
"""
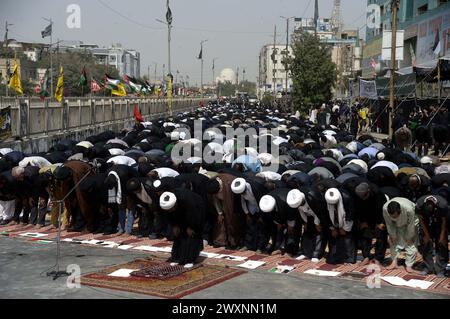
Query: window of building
x=441 y=2
x=423 y=9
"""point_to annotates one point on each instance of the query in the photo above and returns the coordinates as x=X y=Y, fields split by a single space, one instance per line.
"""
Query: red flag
x=137 y=115
x=95 y=87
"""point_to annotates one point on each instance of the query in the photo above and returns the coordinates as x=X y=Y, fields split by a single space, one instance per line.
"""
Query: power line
x=181 y=28
x=128 y=18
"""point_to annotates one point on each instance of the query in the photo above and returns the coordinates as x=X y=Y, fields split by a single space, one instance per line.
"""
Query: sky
x=235 y=29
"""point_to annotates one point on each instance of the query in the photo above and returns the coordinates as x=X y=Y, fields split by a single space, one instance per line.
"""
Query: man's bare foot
x=365 y=262
x=392 y=266
x=410 y=270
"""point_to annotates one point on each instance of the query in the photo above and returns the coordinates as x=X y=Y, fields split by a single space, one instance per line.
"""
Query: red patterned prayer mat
x=162 y=271
x=172 y=288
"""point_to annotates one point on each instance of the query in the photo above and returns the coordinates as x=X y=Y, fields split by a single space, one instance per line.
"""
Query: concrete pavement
x=23 y=267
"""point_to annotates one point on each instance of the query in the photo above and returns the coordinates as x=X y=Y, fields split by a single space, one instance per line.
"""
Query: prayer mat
x=175 y=287
x=162 y=271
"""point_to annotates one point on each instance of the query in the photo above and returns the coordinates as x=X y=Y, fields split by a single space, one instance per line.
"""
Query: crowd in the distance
x=332 y=194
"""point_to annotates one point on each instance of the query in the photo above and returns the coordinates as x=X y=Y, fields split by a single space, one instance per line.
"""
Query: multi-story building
x=425 y=23
x=344 y=48
x=126 y=61
x=272 y=71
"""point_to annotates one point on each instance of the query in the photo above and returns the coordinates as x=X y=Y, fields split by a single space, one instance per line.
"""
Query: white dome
x=227 y=75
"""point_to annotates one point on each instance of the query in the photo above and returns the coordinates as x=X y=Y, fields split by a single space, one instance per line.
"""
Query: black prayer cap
x=213 y=186
x=62 y=173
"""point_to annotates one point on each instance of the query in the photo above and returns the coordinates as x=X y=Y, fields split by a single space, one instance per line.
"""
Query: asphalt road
x=23 y=267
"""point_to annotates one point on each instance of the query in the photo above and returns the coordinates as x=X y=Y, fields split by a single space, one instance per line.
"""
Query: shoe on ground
x=315 y=260
x=301 y=257
x=153 y=236
x=441 y=275
x=188 y=266
x=174 y=264
x=243 y=249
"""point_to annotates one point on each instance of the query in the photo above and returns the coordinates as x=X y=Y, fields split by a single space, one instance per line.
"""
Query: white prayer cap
x=166 y=124
x=5 y=151
x=116 y=151
x=329 y=132
x=361 y=164
x=227 y=158
x=175 y=136
x=85 y=144
x=295 y=198
x=352 y=146
x=265 y=158
x=194 y=160
x=267 y=203
x=251 y=151
x=381 y=156
x=332 y=196
x=238 y=186
x=167 y=201
x=157 y=183
x=426 y=160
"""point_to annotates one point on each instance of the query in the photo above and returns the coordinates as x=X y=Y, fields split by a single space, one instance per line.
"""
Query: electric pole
x=274 y=62
x=395 y=5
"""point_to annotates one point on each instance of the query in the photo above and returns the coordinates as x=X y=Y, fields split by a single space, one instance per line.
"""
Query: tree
x=73 y=63
x=313 y=72
x=227 y=88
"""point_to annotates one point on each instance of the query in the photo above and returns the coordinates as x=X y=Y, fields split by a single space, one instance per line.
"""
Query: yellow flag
x=15 y=83
x=120 y=91
x=60 y=86
x=169 y=89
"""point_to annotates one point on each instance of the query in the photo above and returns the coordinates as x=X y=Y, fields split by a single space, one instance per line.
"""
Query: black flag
x=169 y=15
x=200 y=56
x=47 y=32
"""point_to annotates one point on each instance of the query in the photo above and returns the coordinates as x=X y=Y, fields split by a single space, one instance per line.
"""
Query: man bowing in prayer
x=186 y=212
x=401 y=223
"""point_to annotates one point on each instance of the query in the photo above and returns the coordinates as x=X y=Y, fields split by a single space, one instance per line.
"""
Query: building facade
x=272 y=71
x=127 y=62
x=425 y=23
x=344 y=46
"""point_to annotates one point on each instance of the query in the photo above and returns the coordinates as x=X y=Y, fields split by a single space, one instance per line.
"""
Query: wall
x=37 y=125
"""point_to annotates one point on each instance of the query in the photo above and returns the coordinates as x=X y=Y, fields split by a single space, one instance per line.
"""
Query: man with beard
x=402 y=225
x=342 y=248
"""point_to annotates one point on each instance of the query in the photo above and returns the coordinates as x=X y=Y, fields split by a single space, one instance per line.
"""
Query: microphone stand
x=57 y=273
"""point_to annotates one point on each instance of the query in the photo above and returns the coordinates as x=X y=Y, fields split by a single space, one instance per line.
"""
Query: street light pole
x=287 y=52
x=395 y=4
x=51 y=57
x=169 y=29
x=201 y=76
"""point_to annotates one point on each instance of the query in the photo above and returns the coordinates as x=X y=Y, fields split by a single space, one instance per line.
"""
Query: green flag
x=45 y=85
x=83 y=78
